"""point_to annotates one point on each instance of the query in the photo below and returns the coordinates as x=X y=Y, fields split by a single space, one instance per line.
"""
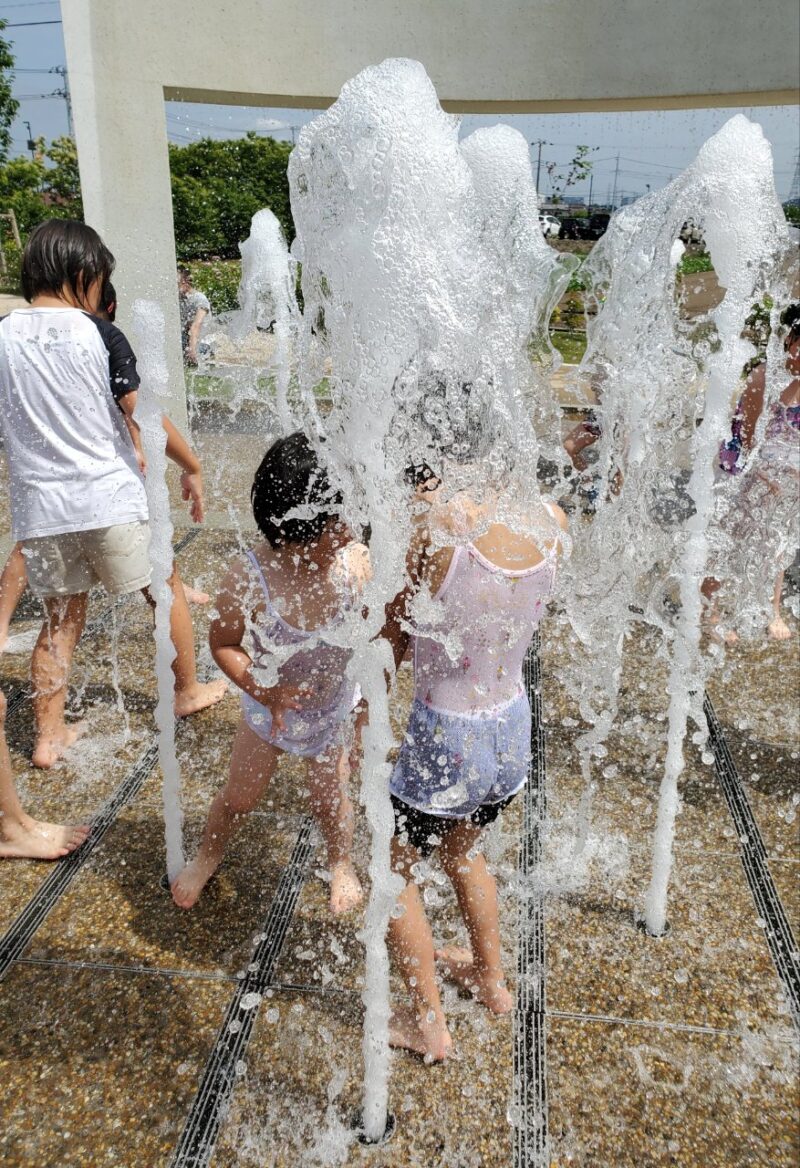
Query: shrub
x=219 y=280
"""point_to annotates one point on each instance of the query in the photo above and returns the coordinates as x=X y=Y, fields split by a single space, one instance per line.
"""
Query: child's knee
x=241 y=800
x=3 y=709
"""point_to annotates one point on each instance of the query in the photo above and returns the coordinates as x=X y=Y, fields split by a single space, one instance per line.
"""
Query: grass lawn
x=571 y=344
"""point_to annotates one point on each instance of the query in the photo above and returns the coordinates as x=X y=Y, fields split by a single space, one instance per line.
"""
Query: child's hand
x=192 y=489
x=282 y=699
x=141 y=461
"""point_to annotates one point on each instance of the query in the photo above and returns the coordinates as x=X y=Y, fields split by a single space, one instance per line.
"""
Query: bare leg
x=50 y=668
x=777 y=627
x=195 y=596
x=332 y=808
x=191 y=696
x=709 y=588
x=13 y=583
x=423 y=1028
x=21 y=836
x=252 y=766
x=478 y=969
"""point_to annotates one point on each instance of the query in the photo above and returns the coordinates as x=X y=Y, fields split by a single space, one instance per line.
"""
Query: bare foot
x=190 y=882
x=346 y=890
x=722 y=636
x=488 y=989
x=48 y=751
x=30 y=839
x=199 y=696
x=431 y=1039
x=194 y=596
x=779 y=630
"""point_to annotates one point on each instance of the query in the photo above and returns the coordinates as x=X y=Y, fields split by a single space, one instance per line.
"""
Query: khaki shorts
x=64 y=565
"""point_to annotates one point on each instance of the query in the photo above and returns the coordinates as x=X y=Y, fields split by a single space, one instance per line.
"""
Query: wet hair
x=63 y=252
x=790 y=319
x=290 y=478
x=108 y=305
x=458 y=422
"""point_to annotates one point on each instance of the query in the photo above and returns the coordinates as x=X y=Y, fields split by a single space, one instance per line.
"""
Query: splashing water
x=267 y=299
x=666 y=402
x=421 y=258
x=149 y=330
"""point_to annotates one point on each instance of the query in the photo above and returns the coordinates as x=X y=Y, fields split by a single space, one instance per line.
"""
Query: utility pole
x=614 y=192
x=540 y=142
x=794 y=193
x=65 y=93
x=591 y=182
x=31 y=141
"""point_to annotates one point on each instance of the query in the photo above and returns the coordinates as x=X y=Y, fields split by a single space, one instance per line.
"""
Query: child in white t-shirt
x=68 y=388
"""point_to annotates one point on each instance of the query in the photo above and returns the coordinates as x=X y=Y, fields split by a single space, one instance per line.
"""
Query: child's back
x=469 y=733
x=469 y=659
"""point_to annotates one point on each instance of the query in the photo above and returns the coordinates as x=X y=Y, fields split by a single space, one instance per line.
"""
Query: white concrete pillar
x=121 y=137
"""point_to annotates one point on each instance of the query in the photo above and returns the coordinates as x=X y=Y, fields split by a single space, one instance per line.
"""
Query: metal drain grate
x=777 y=930
x=198 y=1139
x=530 y=1035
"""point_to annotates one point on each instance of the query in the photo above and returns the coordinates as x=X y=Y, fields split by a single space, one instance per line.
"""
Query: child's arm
x=225 y=639
x=128 y=404
x=751 y=404
x=422 y=566
x=180 y=452
x=194 y=335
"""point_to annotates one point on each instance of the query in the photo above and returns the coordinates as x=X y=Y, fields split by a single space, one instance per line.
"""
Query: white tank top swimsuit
x=470 y=661
x=468 y=739
x=316 y=664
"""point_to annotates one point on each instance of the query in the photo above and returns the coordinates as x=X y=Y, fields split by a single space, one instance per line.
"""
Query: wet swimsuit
x=467 y=746
x=315 y=664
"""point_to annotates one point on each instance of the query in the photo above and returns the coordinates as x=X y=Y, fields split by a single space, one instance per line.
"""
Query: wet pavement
x=116 y=1007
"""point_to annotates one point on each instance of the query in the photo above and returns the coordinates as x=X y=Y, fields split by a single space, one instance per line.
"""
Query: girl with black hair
x=277 y=637
x=68 y=392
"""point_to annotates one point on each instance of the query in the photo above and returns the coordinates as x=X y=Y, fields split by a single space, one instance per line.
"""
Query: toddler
x=466 y=751
x=288 y=592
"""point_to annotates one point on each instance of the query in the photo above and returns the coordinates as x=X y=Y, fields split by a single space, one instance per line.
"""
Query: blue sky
x=652 y=147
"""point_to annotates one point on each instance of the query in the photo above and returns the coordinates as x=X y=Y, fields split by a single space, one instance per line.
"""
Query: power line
x=31 y=23
x=32 y=4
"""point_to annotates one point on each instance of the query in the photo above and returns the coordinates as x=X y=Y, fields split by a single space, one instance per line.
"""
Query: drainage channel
x=530 y=1036
x=226 y=1060
x=16 y=939
x=777 y=930
x=98 y=624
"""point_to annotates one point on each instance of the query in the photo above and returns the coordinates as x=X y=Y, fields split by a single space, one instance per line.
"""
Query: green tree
x=217 y=187
x=578 y=170
x=44 y=187
x=8 y=104
x=62 y=181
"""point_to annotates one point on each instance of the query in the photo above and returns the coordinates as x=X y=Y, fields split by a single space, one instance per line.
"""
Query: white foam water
x=149 y=331
x=422 y=259
x=666 y=393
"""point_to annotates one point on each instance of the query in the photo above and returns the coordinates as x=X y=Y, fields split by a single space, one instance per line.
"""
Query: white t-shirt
x=71 y=462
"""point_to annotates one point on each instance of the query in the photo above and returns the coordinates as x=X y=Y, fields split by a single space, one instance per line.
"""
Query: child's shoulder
x=354 y=563
x=557 y=513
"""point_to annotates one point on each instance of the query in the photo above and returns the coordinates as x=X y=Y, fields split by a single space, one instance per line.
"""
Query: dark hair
x=108 y=305
x=290 y=477
x=790 y=319
x=185 y=272
x=458 y=422
x=64 y=251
